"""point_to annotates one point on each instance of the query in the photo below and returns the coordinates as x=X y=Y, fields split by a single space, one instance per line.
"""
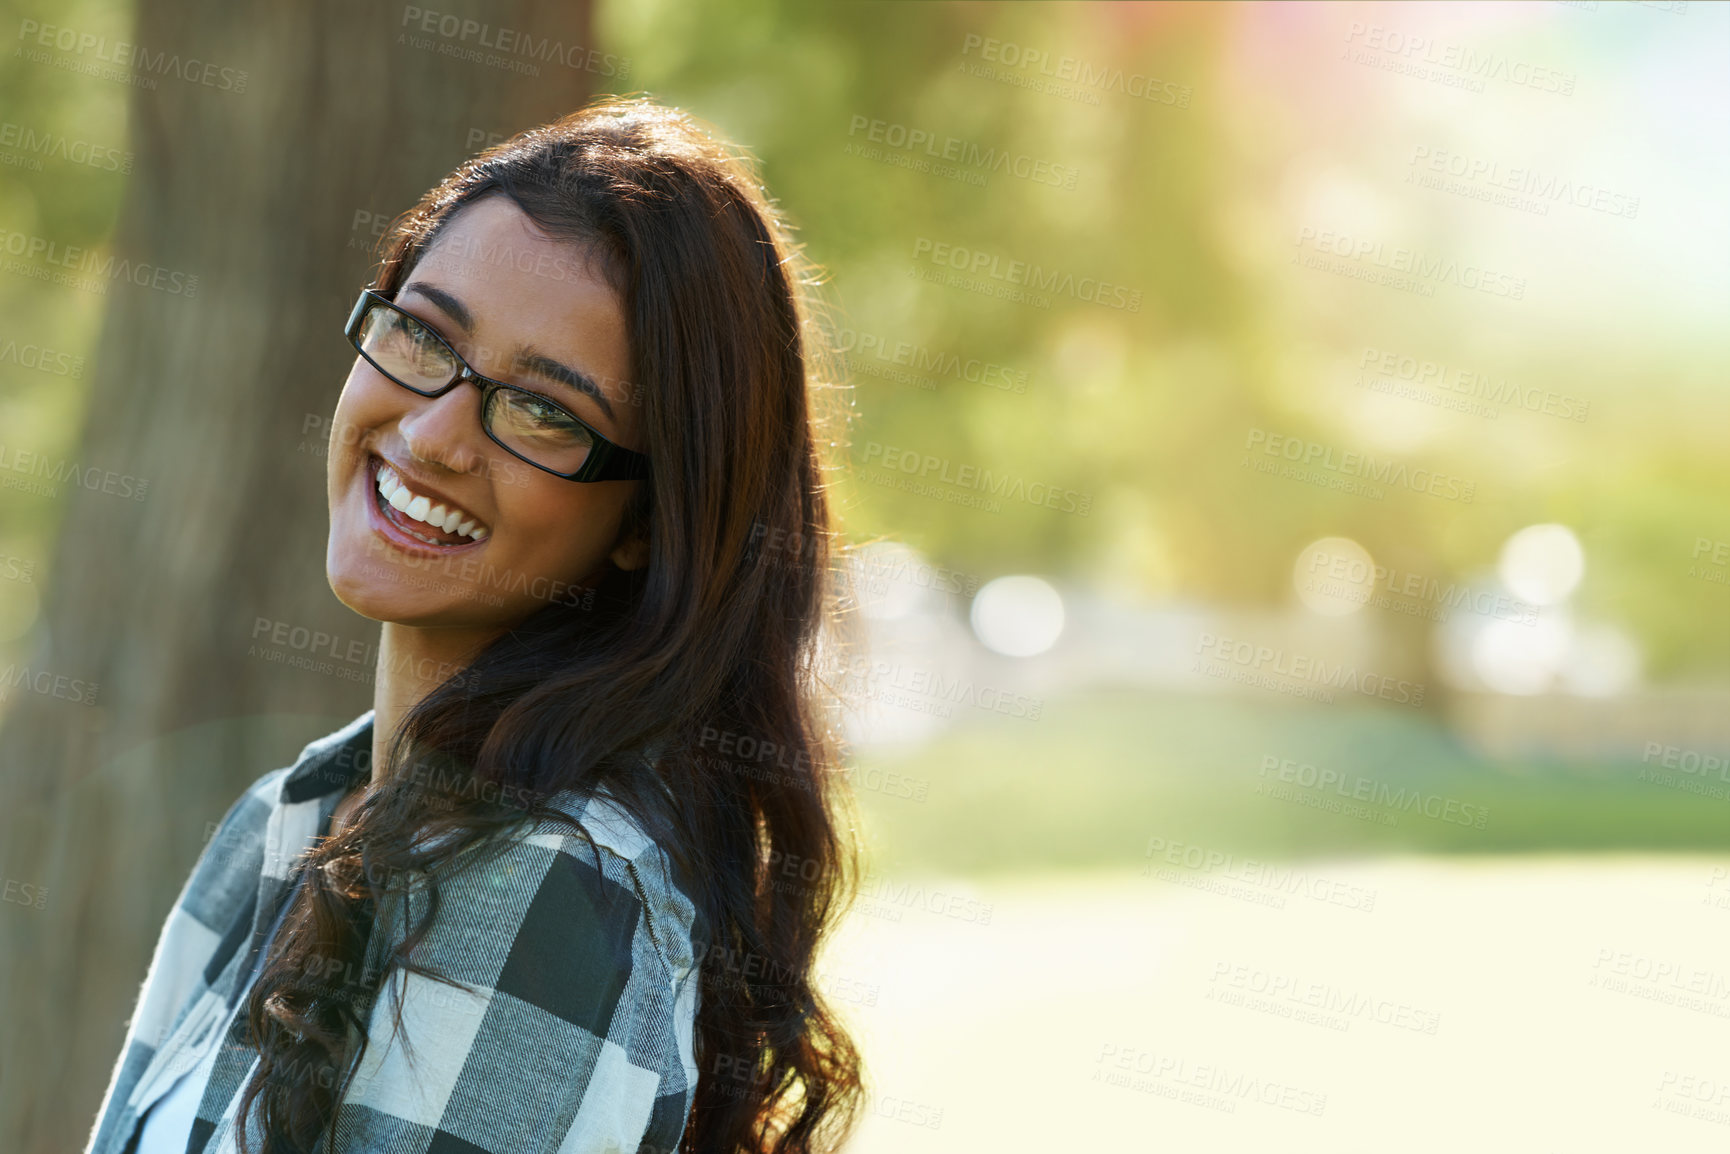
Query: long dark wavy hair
x=718 y=634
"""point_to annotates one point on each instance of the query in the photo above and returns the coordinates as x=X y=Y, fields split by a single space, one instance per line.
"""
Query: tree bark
x=181 y=607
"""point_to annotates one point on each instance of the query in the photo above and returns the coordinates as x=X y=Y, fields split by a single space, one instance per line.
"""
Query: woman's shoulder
x=612 y=852
x=236 y=842
x=588 y=883
x=564 y=948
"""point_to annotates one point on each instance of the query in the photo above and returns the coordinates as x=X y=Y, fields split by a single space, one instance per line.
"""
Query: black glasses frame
x=605 y=462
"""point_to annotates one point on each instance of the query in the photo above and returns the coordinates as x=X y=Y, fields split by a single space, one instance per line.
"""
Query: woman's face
x=533 y=537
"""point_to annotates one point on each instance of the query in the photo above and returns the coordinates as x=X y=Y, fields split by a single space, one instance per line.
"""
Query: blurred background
x=1288 y=485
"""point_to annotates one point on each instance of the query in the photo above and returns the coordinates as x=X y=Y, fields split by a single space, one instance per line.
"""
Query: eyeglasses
x=526 y=424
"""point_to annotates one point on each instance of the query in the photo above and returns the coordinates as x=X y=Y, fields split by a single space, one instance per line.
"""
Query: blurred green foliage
x=1147 y=412
x=1143 y=413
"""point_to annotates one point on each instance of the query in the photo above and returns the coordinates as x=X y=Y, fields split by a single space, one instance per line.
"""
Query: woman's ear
x=631 y=552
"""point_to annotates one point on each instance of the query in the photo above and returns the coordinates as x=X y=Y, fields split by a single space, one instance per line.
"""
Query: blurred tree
x=264 y=180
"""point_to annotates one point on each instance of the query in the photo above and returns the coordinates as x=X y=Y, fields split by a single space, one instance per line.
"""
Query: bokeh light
x=1334 y=576
x=1017 y=616
x=1543 y=564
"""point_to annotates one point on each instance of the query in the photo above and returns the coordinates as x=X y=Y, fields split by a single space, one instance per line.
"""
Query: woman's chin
x=385 y=593
x=365 y=595
x=373 y=588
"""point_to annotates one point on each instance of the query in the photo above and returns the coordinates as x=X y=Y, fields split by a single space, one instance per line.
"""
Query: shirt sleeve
x=574 y=1034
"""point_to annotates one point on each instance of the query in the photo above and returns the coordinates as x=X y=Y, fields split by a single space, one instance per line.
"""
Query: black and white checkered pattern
x=574 y=1032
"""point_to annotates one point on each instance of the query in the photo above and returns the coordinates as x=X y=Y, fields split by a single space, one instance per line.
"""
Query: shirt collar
x=332 y=763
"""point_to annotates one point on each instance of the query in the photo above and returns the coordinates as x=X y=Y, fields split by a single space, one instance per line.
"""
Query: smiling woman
x=406 y=454
x=573 y=910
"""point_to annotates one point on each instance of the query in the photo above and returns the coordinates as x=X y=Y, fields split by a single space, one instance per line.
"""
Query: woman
x=521 y=904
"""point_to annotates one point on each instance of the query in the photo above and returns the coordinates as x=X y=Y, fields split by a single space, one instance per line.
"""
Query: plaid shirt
x=574 y=1033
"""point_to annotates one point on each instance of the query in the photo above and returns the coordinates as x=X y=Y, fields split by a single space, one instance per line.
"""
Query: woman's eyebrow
x=542 y=365
x=446 y=303
x=529 y=359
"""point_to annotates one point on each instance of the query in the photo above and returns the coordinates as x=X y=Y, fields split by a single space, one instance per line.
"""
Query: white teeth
x=449 y=518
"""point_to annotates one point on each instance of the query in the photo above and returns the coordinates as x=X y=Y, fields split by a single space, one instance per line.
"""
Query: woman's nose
x=446 y=430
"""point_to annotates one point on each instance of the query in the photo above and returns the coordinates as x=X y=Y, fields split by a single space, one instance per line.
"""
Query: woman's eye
x=411 y=342
x=546 y=418
x=421 y=343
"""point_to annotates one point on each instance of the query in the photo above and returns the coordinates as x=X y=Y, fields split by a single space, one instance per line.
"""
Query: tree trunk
x=187 y=608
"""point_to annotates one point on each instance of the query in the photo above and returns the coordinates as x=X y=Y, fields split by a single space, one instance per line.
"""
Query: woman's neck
x=412 y=662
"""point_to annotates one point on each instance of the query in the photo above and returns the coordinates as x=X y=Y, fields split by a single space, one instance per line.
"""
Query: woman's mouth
x=430 y=524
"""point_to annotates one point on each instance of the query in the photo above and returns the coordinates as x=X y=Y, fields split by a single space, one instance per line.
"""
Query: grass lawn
x=1097 y=777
